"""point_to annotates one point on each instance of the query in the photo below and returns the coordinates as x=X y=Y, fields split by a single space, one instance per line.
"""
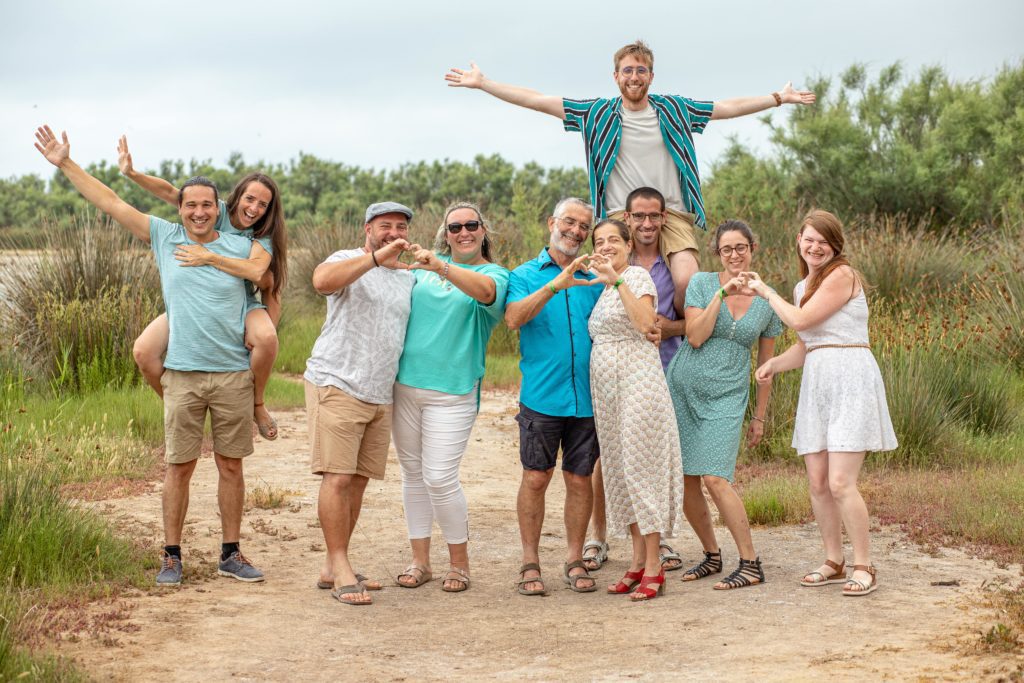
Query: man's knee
x=228 y=467
x=344 y=483
x=576 y=483
x=536 y=481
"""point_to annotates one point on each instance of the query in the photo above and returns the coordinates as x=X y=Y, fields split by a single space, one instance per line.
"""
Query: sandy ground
x=286 y=629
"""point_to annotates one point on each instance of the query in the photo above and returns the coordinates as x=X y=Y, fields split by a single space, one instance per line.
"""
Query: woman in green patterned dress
x=709 y=380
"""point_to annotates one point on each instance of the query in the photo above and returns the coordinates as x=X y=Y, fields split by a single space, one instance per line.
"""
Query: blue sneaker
x=237 y=567
x=170 y=570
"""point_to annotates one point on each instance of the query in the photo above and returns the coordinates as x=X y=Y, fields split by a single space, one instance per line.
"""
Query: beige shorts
x=346 y=435
x=189 y=395
x=677 y=233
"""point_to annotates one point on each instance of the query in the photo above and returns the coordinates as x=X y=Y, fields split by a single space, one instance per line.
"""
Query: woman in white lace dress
x=841 y=413
x=636 y=425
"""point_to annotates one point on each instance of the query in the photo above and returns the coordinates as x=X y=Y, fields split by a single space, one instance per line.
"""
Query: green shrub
x=917 y=388
x=775 y=499
x=90 y=340
x=73 y=309
x=48 y=544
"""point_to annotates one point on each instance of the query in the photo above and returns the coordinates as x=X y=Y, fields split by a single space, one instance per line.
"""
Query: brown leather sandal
x=521 y=583
x=838 y=577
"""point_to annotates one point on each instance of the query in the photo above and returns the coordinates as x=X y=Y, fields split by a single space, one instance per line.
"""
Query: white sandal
x=855 y=588
x=598 y=558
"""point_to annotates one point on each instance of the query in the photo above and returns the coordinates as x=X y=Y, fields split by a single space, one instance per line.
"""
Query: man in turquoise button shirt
x=550 y=299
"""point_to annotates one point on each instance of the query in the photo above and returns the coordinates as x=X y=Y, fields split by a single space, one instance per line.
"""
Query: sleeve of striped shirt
x=576 y=112
x=697 y=111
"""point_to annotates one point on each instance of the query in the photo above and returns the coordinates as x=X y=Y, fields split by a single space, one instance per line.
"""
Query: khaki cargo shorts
x=346 y=435
x=228 y=396
x=677 y=233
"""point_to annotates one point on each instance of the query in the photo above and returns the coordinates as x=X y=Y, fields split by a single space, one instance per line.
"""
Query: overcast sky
x=364 y=84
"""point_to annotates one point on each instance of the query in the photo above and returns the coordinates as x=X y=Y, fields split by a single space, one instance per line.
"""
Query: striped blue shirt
x=600 y=121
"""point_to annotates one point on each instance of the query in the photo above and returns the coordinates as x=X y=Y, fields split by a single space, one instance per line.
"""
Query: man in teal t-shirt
x=207 y=362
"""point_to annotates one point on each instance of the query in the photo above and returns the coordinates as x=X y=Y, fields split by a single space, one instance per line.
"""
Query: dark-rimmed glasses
x=740 y=249
x=641 y=217
x=456 y=228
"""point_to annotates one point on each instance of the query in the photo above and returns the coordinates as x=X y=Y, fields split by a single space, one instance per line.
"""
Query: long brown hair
x=831 y=228
x=271 y=225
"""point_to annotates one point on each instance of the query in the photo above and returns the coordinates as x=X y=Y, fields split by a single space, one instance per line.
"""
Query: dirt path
x=286 y=629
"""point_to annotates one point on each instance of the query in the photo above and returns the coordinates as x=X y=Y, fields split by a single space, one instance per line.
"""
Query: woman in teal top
x=458 y=299
x=709 y=380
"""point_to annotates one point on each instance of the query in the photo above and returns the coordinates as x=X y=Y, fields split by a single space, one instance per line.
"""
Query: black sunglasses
x=456 y=228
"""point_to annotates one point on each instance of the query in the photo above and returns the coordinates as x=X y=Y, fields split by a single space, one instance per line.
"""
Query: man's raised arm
x=741 y=106
x=523 y=97
x=58 y=153
x=158 y=187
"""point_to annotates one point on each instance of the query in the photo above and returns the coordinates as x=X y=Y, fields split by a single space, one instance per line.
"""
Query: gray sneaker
x=237 y=567
x=170 y=571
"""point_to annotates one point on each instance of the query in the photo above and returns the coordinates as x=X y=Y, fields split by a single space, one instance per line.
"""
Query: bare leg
x=261 y=338
x=682 y=265
x=149 y=349
x=578 y=504
x=230 y=496
x=695 y=507
x=652 y=558
x=175 y=500
x=459 y=553
x=530 y=508
x=730 y=507
x=339 y=494
x=598 y=519
x=826 y=512
x=420 y=557
x=843 y=470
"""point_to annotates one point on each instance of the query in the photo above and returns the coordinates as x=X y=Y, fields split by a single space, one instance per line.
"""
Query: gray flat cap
x=381 y=208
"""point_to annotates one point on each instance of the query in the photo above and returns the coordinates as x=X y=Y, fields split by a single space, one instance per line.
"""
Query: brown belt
x=837 y=346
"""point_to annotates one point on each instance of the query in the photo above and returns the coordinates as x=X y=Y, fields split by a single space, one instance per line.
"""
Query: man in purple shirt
x=645 y=214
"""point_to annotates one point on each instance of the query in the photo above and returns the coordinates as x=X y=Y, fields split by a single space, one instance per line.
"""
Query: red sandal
x=644 y=590
x=621 y=588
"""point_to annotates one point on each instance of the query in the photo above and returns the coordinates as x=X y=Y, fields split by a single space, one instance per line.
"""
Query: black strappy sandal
x=711 y=564
x=749 y=573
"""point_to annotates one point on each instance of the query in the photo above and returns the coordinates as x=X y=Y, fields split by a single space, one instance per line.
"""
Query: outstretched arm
x=523 y=97
x=741 y=106
x=158 y=187
x=58 y=153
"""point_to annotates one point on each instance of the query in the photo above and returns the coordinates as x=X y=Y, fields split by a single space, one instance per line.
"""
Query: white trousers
x=430 y=431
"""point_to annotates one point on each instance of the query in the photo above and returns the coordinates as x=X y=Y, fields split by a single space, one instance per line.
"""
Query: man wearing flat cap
x=349 y=380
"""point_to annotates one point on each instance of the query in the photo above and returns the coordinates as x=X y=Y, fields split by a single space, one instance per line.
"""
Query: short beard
x=557 y=238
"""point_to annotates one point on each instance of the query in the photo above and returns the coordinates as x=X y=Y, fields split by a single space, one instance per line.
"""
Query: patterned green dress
x=710 y=385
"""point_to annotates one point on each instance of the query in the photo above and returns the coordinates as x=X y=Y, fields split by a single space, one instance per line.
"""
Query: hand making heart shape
x=753 y=283
x=601 y=267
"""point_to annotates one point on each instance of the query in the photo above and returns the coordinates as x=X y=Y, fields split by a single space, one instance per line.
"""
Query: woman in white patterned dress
x=636 y=427
x=841 y=413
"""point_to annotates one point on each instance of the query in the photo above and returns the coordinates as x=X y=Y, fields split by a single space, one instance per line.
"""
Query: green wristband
x=552 y=288
x=722 y=293
x=617 y=283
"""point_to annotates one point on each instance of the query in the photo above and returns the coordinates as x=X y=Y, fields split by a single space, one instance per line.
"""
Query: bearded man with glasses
x=640 y=140
x=549 y=301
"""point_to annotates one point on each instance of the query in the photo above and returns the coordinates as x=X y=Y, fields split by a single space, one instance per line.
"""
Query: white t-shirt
x=362 y=338
x=642 y=161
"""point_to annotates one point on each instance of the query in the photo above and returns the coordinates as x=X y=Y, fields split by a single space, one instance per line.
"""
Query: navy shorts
x=541 y=435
